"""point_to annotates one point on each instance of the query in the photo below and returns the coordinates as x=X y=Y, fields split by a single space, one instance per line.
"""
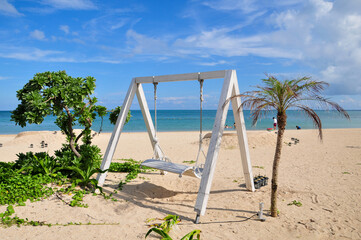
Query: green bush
x=90 y=155
x=17 y=187
x=35 y=163
x=83 y=168
x=65 y=163
x=130 y=166
x=66 y=157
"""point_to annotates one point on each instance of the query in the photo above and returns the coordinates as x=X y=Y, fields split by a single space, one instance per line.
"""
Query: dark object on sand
x=31 y=145
x=260 y=181
x=298 y=127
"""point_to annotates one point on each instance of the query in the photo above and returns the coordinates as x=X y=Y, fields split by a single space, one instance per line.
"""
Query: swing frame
x=230 y=88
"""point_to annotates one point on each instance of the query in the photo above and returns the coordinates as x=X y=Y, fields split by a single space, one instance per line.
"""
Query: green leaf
x=163 y=234
x=189 y=236
x=10 y=209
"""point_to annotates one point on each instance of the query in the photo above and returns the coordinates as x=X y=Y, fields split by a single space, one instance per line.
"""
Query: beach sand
x=324 y=176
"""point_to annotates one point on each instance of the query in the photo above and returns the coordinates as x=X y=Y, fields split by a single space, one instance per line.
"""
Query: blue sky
x=114 y=41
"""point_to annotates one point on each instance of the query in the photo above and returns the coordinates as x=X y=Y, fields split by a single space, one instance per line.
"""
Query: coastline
x=324 y=176
x=188 y=120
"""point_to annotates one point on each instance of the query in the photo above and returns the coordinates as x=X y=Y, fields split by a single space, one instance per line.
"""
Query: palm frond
x=328 y=103
x=314 y=117
x=283 y=95
x=259 y=112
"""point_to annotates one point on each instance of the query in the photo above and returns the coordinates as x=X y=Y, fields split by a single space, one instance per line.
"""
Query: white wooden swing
x=160 y=161
x=165 y=164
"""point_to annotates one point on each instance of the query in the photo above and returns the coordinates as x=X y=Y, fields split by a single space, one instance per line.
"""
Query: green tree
x=114 y=114
x=281 y=96
x=69 y=99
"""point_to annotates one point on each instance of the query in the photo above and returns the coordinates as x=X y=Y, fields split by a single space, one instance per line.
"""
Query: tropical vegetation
x=281 y=96
x=30 y=178
x=35 y=176
x=163 y=229
x=69 y=99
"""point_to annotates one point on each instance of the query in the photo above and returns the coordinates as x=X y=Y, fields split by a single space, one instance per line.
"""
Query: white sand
x=324 y=177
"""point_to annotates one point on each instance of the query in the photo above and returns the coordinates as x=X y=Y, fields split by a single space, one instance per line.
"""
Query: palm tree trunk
x=282 y=121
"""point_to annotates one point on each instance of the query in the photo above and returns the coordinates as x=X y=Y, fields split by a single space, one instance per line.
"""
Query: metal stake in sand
x=260 y=213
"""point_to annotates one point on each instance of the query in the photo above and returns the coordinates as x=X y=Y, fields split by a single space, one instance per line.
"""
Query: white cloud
x=322 y=7
x=36 y=54
x=217 y=42
x=29 y=54
x=322 y=35
x=119 y=24
x=64 y=28
x=142 y=44
x=349 y=102
x=348 y=99
x=70 y=4
x=220 y=62
x=245 y=6
x=112 y=22
x=37 y=34
x=3 y=78
x=248 y=6
x=222 y=42
x=8 y=9
x=329 y=36
x=177 y=100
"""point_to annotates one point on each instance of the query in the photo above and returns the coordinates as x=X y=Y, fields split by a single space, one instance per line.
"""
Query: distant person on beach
x=274 y=123
x=298 y=127
x=234 y=125
x=227 y=126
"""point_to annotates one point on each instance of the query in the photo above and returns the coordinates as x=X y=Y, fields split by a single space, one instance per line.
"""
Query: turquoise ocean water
x=188 y=120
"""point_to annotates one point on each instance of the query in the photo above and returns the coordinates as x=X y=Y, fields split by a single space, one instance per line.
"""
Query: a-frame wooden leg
x=107 y=159
x=214 y=145
x=148 y=121
x=242 y=137
x=230 y=88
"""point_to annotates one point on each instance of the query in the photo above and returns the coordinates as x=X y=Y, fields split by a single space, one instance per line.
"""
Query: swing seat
x=179 y=169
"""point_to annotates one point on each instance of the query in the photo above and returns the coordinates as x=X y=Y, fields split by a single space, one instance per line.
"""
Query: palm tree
x=281 y=96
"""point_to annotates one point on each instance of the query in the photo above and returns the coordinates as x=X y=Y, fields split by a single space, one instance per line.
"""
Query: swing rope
x=197 y=166
x=155 y=106
x=155 y=155
x=156 y=144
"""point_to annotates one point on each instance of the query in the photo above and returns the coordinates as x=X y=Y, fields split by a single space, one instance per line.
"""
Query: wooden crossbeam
x=182 y=77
